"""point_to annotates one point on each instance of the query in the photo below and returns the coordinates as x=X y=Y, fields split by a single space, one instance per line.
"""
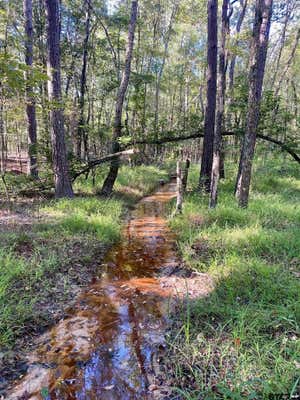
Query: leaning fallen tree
x=94 y=163
x=172 y=139
x=197 y=135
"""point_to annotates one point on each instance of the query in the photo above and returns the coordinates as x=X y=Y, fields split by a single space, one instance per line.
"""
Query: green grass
x=243 y=339
x=95 y=217
x=40 y=262
x=18 y=283
x=131 y=183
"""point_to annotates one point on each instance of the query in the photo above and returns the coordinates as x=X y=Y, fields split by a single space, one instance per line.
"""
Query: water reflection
x=104 y=349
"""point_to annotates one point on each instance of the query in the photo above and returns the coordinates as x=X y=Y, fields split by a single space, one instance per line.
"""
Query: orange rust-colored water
x=104 y=348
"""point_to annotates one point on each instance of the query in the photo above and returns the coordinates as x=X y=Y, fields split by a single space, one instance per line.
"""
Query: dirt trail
x=104 y=347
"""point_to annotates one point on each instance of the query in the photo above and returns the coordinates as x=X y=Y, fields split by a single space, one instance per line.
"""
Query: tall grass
x=244 y=337
x=35 y=260
x=132 y=181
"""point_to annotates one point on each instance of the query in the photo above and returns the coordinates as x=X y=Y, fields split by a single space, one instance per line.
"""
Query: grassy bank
x=242 y=341
x=49 y=248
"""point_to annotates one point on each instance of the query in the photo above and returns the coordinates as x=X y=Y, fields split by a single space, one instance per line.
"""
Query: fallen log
x=109 y=157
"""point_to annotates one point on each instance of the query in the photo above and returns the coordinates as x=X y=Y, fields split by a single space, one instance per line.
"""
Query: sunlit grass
x=244 y=338
x=89 y=216
x=134 y=181
x=34 y=260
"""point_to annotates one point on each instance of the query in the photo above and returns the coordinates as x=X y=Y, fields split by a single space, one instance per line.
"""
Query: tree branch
x=197 y=135
x=169 y=139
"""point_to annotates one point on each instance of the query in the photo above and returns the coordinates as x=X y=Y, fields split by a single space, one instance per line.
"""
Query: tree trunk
x=185 y=175
x=288 y=63
x=259 y=47
x=117 y=130
x=63 y=187
x=161 y=70
x=81 y=134
x=220 y=108
x=2 y=139
x=290 y=6
x=240 y=20
x=210 y=111
x=179 y=188
x=30 y=102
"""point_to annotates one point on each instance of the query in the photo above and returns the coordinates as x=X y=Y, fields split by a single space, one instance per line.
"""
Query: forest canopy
x=166 y=94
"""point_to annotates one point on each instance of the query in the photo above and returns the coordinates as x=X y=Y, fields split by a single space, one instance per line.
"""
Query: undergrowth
x=242 y=341
x=47 y=244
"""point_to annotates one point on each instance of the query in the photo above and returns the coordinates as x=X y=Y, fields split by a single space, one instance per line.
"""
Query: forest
x=149 y=199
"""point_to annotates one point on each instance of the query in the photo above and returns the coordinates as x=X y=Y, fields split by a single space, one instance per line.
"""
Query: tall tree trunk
x=288 y=63
x=30 y=102
x=290 y=6
x=210 y=111
x=40 y=28
x=259 y=47
x=220 y=108
x=2 y=138
x=81 y=134
x=161 y=70
x=63 y=187
x=240 y=20
x=117 y=130
x=230 y=122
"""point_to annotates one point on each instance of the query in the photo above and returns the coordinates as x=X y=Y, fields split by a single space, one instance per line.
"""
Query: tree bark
x=179 y=188
x=215 y=175
x=81 y=133
x=63 y=187
x=117 y=129
x=240 y=20
x=30 y=101
x=259 y=47
x=210 y=111
x=161 y=70
x=185 y=175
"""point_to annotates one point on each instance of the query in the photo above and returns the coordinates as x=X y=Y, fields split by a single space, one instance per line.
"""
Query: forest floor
x=50 y=249
x=235 y=335
x=241 y=341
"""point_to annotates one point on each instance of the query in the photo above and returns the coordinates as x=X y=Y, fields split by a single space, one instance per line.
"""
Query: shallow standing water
x=104 y=348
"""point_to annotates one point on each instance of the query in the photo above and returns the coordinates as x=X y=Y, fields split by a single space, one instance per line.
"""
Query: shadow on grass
x=240 y=342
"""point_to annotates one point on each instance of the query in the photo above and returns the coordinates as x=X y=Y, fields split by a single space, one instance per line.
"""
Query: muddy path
x=104 y=347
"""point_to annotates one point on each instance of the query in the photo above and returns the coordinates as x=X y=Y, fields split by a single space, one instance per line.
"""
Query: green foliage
x=12 y=74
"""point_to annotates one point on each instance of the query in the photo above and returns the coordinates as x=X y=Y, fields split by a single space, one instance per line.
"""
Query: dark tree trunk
x=117 y=130
x=30 y=102
x=179 y=188
x=220 y=108
x=63 y=187
x=259 y=47
x=210 y=111
x=185 y=175
x=82 y=134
